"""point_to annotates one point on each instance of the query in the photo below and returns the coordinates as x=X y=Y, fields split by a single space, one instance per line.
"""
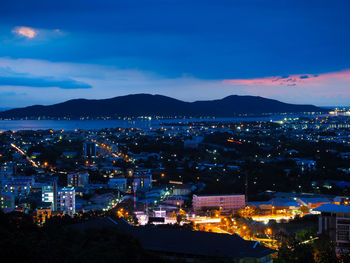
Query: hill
x=157 y=105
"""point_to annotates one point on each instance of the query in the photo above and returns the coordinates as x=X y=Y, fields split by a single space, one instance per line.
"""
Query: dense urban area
x=275 y=191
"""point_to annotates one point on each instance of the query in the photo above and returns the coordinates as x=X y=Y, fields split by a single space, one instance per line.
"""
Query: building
x=49 y=194
x=182 y=189
x=18 y=185
x=143 y=181
x=158 y=212
x=69 y=155
x=8 y=169
x=20 y=188
x=101 y=202
x=7 y=202
x=90 y=149
x=43 y=212
x=334 y=221
x=305 y=165
x=193 y=143
x=174 y=200
x=224 y=202
x=80 y=179
x=61 y=199
x=198 y=246
x=66 y=200
x=29 y=179
x=118 y=183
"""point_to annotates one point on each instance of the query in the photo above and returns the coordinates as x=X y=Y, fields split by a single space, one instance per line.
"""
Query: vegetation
x=23 y=241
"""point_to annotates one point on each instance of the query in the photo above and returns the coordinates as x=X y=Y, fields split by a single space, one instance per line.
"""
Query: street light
x=268 y=231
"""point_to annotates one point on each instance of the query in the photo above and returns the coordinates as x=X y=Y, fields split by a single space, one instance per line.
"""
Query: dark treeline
x=22 y=241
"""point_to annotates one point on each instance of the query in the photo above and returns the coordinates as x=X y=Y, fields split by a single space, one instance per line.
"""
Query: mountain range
x=157 y=105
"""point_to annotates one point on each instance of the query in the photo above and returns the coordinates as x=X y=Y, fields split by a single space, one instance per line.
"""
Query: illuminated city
x=175 y=131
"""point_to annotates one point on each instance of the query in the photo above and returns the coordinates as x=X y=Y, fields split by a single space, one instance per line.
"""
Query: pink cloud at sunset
x=306 y=88
x=293 y=80
x=27 y=32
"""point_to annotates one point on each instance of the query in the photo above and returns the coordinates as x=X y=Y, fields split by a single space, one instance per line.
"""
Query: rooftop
x=208 y=195
x=185 y=242
x=333 y=208
x=181 y=241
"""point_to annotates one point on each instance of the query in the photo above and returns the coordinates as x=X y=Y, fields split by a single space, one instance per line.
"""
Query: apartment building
x=334 y=221
x=224 y=202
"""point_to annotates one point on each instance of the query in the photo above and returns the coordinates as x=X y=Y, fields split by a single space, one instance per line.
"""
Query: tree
x=324 y=250
x=179 y=218
x=291 y=250
x=249 y=211
x=59 y=243
x=304 y=209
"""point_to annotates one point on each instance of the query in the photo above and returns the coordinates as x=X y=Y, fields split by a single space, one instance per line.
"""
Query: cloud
x=43 y=82
x=293 y=80
x=12 y=76
x=24 y=31
x=8 y=94
x=244 y=39
x=323 y=89
x=40 y=80
x=106 y=82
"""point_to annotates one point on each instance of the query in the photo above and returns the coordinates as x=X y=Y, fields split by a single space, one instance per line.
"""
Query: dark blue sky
x=185 y=49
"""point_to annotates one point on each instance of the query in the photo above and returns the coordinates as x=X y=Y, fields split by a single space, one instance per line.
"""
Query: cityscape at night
x=175 y=131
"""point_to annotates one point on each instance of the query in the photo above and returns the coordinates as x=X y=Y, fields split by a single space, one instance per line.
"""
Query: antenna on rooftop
x=134 y=187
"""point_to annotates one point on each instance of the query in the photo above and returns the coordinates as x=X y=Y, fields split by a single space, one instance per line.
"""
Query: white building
x=48 y=194
x=223 y=202
x=66 y=200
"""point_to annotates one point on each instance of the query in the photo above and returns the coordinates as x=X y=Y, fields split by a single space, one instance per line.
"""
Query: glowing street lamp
x=268 y=231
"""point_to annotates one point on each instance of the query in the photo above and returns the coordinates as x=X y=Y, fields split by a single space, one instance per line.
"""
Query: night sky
x=294 y=51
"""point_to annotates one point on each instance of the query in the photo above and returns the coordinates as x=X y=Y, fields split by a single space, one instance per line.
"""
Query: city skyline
x=175 y=131
x=294 y=52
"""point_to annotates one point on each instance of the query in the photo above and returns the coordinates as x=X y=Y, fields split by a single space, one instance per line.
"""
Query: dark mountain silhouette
x=157 y=105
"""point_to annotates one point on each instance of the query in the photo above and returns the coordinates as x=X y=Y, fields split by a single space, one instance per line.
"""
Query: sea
x=70 y=125
x=142 y=123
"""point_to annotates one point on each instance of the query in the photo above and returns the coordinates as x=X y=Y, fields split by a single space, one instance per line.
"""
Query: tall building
x=49 y=194
x=334 y=221
x=224 y=202
x=66 y=200
x=90 y=149
x=80 y=179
